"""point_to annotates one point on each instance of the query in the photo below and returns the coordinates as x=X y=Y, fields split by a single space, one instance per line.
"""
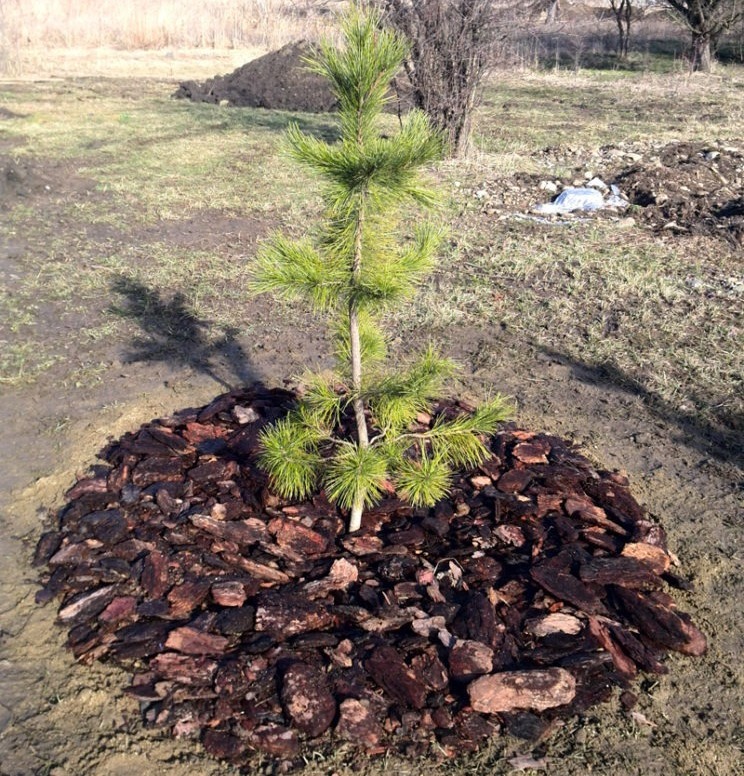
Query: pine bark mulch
x=255 y=624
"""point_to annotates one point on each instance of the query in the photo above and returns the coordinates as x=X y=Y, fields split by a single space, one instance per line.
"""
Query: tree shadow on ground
x=314 y=124
x=173 y=334
x=711 y=429
x=245 y=119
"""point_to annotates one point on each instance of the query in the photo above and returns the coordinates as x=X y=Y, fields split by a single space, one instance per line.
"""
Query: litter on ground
x=582 y=199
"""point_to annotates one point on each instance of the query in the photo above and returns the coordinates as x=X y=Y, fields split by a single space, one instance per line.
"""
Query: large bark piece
x=662 y=624
x=389 y=670
x=468 y=659
x=358 y=724
x=284 y=617
x=555 y=576
x=194 y=642
x=307 y=699
x=536 y=690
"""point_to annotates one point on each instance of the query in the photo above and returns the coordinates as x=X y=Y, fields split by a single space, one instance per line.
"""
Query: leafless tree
x=551 y=9
x=707 y=20
x=624 y=13
x=452 y=44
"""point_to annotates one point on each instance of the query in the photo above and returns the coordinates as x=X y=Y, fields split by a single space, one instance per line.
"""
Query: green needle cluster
x=353 y=271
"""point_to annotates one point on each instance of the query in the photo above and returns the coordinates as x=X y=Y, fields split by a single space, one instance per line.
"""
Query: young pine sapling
x=352 y=273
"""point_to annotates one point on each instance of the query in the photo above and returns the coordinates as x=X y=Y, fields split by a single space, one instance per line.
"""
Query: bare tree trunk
x=707 y=20
x=623 y=13
x=702 y=54
x=452 y=44
x=622 y=10
x=460 y=137
x=554 y=8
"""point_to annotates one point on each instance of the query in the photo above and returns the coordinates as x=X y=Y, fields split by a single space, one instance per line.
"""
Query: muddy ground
x=58 y=718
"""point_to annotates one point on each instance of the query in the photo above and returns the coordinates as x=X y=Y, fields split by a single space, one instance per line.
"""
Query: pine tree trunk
x=355 y=521
x=356 y=347
x=356 y=362
x=356 y=376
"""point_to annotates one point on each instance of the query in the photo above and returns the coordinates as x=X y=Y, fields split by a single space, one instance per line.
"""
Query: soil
x=676 y=189
x=278 y=80
x=692 y=188
x=63 y=719
x=18 y=178
x=680 y=188
x=257 y=624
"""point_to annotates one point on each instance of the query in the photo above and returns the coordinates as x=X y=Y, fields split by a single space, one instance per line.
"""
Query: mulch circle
x=259 y=625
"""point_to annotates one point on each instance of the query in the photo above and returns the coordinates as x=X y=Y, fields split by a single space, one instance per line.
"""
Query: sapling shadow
x=173 y=333
x=353 y=432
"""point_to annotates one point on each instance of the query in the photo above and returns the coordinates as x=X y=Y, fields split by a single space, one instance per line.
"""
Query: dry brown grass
x=38 y=35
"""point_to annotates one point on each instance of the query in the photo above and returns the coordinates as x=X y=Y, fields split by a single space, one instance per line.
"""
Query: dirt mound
x=19 y=178
x=25 y=179
x=279 y=80
x=689 y=188
x=256 y=624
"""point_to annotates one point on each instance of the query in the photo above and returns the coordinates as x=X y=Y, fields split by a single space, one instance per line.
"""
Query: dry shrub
x=453 y=45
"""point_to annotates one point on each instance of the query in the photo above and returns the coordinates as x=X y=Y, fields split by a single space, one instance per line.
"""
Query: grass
x=581 y=112
x=598 y=297
x=658 y=315
x=136 y=248
x=168 y=158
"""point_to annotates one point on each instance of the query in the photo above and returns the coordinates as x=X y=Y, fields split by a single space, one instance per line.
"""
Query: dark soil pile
x=690 y=188
x=279 y=80
x=258 y=625
x=19 y=178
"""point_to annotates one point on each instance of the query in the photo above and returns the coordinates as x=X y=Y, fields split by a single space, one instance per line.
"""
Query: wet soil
x=689 y=188
x=79 y=720
x=677 y=189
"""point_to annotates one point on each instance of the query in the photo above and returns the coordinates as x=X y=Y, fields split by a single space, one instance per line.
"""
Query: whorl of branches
x=355 y=269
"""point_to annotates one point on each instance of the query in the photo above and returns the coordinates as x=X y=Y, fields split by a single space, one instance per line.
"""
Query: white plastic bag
x=573 y=199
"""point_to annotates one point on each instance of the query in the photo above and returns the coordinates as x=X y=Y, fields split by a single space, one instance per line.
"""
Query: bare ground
x=60 y=718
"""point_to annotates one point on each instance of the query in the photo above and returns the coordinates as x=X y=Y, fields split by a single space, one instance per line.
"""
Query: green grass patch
x=650 y=316
x=595 y=108
x=165 y=158
x=659 y=315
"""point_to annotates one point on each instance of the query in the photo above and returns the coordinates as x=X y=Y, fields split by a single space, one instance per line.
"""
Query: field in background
x=199 y=38
x=53 y=36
